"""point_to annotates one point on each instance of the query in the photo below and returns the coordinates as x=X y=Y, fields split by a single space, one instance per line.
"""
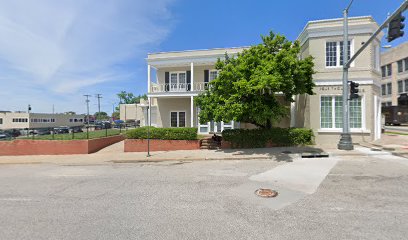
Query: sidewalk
x=115 y=154
x=396 y=144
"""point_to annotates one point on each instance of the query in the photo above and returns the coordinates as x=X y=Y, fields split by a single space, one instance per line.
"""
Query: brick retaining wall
x=55 y=147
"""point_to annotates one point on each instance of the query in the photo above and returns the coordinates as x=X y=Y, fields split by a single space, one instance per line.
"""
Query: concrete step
x=209 y=144
x=209 y=147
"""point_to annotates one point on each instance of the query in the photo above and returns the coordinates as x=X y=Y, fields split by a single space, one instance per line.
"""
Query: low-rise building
x=24 y=120
x=138 y=112
x=182 y=75
x=394 y=73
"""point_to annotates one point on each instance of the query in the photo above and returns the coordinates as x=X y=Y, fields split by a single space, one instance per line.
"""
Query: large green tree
x=248 y=86
x=129 y=98
x=101 y=115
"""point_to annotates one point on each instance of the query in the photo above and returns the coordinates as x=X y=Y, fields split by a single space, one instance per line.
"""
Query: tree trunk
x=268 y=124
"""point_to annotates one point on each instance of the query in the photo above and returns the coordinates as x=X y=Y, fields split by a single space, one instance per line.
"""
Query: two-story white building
x=180 y=76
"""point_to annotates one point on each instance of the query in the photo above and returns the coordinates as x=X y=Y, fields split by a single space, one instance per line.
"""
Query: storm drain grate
x=266 y=193
x=315 y=155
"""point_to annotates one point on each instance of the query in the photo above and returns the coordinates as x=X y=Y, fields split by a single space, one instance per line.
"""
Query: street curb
x=189 y=159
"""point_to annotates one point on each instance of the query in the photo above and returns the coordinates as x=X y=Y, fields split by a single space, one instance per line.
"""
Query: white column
x=192 y=112
x=148 y=79
x=192 y=77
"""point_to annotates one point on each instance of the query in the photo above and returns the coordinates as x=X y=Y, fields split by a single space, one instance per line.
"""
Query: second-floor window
x=400 y=67
x=213 y=74
x=403 y=86
x=20 y=120
x=386 y=70
x=406 y=64
x=386 y=89
x=178 y=81
x=334 y=53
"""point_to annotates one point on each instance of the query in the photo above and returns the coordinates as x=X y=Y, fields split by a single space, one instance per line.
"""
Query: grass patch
x=78 y=136
x=396 y=133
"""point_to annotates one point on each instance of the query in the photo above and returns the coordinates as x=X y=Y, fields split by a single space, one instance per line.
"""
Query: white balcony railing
x=180 y=87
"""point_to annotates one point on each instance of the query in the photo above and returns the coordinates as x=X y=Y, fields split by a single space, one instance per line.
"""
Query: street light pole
x=149 y=117
x=345 y=142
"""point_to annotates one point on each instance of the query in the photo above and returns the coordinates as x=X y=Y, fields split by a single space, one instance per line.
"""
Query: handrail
x=178 y=87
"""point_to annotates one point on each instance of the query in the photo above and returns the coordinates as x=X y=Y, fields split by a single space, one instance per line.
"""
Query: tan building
x=394 y=72
x=180 y=76
x=322 y=112
x=138 y=112
x=22 y=120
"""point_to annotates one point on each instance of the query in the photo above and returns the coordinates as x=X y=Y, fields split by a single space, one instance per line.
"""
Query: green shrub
x=163 y=133
x=253 y=138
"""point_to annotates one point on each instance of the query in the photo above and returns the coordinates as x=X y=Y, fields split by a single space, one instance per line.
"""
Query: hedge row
x=253 y=138
x=163 y=133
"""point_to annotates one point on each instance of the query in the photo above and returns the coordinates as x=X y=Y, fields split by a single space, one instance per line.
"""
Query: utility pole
x=99 y=96
x=87 y=115
x=345 y=142
x=87 y=107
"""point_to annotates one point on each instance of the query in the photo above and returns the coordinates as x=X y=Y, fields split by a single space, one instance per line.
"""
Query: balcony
x=178 y=88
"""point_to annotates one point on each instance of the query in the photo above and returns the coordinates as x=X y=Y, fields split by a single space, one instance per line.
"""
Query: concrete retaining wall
x=55 y=147
x=140 y=145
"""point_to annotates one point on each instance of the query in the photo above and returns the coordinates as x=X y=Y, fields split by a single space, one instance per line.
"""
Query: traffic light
x=353 y=90
x=395 y=27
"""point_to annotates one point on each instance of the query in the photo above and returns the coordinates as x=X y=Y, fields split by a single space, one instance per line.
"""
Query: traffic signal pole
x=345 y=142
x=401 y=9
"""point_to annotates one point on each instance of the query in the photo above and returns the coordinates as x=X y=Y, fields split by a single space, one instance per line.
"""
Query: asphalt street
x=363 y=196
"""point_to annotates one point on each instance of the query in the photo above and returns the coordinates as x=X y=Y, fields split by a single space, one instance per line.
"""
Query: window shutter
x=188 y=80
x=166 y=81
x=206 y=76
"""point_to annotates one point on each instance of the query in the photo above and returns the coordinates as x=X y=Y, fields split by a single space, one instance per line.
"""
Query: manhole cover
x=266 y=193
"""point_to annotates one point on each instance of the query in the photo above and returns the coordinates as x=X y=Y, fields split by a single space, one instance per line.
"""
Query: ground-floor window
x=178 y=119
x=331 y=112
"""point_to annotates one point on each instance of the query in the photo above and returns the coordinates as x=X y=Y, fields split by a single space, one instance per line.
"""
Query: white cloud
x=51 y=50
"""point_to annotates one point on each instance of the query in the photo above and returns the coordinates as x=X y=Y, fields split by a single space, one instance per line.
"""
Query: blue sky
x=54 y=52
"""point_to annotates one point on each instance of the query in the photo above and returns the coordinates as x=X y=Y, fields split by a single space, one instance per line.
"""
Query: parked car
x=102 y=125
x=76 y=129
x=13 y=132
x=4 y=135
x=40 y=131
x=61 y=130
